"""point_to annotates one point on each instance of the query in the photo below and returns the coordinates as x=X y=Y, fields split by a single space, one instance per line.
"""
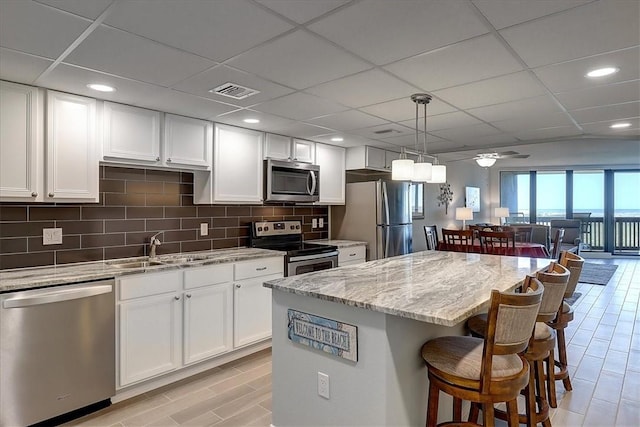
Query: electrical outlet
x=51 y=236
x=204 y=229
x=321 y=222
x=323 y=385
x=314 y=223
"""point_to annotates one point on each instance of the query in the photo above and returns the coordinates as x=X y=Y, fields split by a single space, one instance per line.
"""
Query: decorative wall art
x=472 y=198
x=445 y=197
x=333 y=337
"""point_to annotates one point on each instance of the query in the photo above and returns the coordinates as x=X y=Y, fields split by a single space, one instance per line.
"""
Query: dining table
x=521 y=249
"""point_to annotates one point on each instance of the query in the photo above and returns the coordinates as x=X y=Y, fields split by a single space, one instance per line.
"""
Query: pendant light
x=421 y=169
x=402 y=168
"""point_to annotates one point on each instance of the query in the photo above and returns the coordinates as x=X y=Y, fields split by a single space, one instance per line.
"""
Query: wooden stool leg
x=457 y=409
x=551 y=379
x=474 y=412
x=432 y=407
x=531 y=398
x=488 y=415
x=512 y=412
x=562 y=358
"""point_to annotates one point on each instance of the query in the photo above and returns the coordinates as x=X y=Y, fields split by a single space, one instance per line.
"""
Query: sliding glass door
x=626 y=212
x=588 y=207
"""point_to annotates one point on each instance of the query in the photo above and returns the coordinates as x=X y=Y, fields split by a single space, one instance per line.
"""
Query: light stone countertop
x=444 y=288
x=339 y=243
x=36 y=277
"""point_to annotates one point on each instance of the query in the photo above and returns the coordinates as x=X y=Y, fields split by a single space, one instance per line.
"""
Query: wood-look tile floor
x=604 y=356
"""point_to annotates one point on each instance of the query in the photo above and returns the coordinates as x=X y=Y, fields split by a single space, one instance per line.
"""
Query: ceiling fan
x=487 y=159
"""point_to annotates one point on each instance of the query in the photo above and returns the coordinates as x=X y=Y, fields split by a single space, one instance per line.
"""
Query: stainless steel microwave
x=287 y=181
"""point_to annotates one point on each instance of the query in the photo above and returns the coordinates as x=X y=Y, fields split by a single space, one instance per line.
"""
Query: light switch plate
x=204 y=229
x=321 y=222
x=314 y=223
x=51 y=236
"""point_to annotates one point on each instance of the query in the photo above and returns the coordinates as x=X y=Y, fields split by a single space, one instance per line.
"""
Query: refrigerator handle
x=386 y=242
x=385 y=202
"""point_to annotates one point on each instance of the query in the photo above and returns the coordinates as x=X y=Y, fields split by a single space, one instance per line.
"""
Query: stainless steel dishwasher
x=57 y=350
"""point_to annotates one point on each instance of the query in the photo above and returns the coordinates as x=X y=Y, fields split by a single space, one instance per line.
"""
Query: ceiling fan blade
x=507 y=153
x=520 y=156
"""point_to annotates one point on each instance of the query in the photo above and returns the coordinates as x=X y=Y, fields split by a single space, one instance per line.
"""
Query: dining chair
x=431 y=236
x=522 y=234
x=485 y=370
x=458 y=240
x=497 y=242
x=557 y=243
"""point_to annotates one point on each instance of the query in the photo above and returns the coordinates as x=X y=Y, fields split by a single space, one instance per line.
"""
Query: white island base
x=387 y=386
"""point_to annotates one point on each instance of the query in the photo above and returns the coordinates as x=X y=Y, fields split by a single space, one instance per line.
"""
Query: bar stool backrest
x=555 y=279
x=574 y=263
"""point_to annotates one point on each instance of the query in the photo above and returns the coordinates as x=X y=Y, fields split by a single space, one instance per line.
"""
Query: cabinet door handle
x=261 y=268
x=352 y=254
x=51 y=194
x=157 y=159
x=177 y=298
x=188 y=295
x=169 y=160
x=34 y=194
x=238 y=286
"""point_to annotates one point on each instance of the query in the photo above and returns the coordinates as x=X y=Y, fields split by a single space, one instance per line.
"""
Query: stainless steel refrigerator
x=377 y=212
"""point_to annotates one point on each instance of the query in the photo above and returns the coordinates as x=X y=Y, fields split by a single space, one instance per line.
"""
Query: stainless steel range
x=286 y=236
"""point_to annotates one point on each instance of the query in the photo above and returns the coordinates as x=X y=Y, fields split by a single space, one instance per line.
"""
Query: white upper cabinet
x=131 y=134
x=21 y=127
x=331 y=160
x=372 y=158
x=286 y=148
x=71 y=148
x=237 y=168
x=187 y=142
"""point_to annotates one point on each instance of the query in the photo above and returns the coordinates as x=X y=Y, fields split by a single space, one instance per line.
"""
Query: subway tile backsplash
x=135 y=204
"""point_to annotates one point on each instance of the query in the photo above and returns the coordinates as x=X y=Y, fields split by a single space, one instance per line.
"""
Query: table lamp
x=464 y=214
x=501 y=213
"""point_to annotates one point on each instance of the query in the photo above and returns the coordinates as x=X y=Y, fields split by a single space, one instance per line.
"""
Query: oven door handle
x=316 y=256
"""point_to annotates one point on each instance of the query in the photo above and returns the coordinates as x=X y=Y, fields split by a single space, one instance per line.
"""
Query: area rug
x=597 y=274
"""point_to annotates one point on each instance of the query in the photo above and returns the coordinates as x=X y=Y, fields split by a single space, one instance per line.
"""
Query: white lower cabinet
x=352 y=255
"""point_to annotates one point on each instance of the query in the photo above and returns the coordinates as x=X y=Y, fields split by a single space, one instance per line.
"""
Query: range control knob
x=297 y=227
x=266 y=229
x=259 y=228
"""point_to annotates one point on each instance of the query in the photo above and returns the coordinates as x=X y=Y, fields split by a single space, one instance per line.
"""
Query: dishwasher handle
x=57 y=296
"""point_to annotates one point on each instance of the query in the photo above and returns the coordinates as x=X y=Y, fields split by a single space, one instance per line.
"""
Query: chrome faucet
x=154 y=242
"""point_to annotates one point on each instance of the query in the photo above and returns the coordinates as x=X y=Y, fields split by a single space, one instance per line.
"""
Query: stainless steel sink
x=136 y=264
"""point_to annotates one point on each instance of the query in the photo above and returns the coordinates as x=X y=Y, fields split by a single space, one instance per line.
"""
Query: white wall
x=459 y=176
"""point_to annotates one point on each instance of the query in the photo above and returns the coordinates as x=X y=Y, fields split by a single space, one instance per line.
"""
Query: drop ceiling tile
x=492 y=91
x=404 y=109
x=175 y=102
x=19 y=67
x=124 y=54
x=384 y=131
x=203 y=82
x=504 y=13
x=49 y=32
x=300 y=106
x=89 y=9
x=542 y=105
x=302 y=130
x=443 y=121
x=409 y=141
x=302 y=10
x=369 y=87
x=217 y=29
x=299 y=60
x=347 y=120
x=607 y=112
x=603 y=128
x=533 y=121
x=466 y=133
x=616 y=93
x=591 y=29
x=571 y=75
x=348 y=140
x=73 y=79
x=268 y=122
x=542 y=134
x=449 y=66
x=382 y=31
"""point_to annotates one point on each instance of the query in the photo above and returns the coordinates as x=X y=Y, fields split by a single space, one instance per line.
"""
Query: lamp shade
x=485 y=162
x=501 y=212
x=438 y=174
x=464 y=213
x=402 y=170
x=422 y=172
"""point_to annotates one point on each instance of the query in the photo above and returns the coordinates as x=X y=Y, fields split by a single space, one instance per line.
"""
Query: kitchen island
x=396 y=304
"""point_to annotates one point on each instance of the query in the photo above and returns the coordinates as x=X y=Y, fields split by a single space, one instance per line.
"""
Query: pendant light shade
x=438 y=174
x=402 y=170
x=421 y=172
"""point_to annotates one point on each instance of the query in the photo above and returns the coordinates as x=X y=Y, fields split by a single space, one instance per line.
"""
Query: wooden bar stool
x=485 y=370
x=540 y=350
x=574 y=264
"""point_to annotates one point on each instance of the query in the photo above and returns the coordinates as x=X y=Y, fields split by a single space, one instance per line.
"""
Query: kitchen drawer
x=259 y=267
x=208 y=275
x=142 y=285
x=351 y=254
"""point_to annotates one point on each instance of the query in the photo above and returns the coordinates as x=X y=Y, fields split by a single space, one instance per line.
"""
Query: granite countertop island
x=388 y=309
x=35 y=277
x=339 y=243
x=438 y=287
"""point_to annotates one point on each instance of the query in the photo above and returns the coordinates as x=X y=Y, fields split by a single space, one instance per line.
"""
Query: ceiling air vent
x=385 y=131
x=233 y=90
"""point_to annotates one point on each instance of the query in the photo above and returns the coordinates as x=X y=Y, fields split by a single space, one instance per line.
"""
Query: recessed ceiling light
x=601 y=72
x=620 y=125
x=101 y=87
x=251 y=121
x=337 y=139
